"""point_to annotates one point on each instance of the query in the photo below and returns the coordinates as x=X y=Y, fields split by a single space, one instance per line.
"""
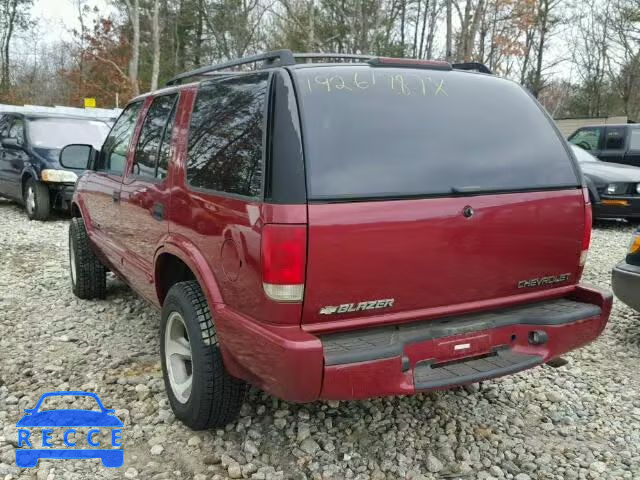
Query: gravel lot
x=574 y=422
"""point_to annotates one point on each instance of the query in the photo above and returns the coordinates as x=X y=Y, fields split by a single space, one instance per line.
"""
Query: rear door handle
x=157 y=211
x=115 y=196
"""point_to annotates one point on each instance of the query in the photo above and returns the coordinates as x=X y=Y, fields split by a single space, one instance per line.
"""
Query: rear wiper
x=471 y=189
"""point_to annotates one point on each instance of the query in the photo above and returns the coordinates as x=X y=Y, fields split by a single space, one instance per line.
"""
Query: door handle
x=157 y=211
x=115 y=196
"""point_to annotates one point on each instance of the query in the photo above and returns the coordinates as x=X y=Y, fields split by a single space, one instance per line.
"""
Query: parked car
x=626 y=275
x=614 y=190
x=610 y=143
x=29 y=149
x=338 y=230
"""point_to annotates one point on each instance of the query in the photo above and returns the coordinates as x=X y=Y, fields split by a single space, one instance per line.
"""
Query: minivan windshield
x=394 y=132
x=55 y=133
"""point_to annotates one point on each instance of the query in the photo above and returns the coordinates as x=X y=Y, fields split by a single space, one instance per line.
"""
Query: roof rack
x=345 y=56
x=472 y=66
x=286 y=57
x=280 y=57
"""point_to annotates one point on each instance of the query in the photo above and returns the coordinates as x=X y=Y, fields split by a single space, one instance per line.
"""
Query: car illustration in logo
x=68 y=420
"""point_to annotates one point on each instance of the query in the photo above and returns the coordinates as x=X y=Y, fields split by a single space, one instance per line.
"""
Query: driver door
x=589 y=139
x=12 y=162
x=102 y=186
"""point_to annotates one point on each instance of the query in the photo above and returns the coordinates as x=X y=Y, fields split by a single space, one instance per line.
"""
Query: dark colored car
x=610 y=143
x=338 y=230
x=626 y=275
x=614 y=189
x=29 y=149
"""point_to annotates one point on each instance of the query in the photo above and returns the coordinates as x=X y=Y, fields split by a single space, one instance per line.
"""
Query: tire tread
x=222 y=395
x=91 y=275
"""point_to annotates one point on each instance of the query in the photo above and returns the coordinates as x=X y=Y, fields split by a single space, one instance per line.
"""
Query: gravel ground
x=574 y=422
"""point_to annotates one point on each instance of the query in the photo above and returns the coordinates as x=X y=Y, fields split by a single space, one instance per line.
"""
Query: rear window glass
x=226 y=135
x=397 y=132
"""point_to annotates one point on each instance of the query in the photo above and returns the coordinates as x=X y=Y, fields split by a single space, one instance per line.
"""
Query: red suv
x=338 y=227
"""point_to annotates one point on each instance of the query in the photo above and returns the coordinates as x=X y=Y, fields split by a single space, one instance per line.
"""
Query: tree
x=14 y=15
x=133 y=11
x=155 y=29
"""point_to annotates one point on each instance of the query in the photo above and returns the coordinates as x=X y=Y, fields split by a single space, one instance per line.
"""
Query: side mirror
x=11 y=142
x=77 y=156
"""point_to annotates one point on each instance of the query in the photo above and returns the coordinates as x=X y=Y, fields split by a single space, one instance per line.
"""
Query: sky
x=58 y=18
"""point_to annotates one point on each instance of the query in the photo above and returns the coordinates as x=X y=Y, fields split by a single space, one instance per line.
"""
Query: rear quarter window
x=392 y=132
x=225 y=151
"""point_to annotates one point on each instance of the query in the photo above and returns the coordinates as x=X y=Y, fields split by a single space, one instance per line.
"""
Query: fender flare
x=182 y=248
x=28 y=171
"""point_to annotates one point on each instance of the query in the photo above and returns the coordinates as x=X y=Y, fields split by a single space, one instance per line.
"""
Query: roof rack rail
x=286 y=57
x=346 y=56
x=280 y=57
x=473 y=66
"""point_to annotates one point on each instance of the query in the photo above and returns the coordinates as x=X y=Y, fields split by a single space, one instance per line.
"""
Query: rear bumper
x=405 y=359
x=625 y=280
x=631 y=210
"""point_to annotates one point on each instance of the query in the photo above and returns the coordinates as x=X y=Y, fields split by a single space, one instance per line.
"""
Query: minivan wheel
x=201 y=392
x=36 y=200
x=88 y=275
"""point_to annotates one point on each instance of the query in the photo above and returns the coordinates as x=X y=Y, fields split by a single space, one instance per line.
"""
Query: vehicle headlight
x=638 y=188
x=616 y=188
x=58 y=176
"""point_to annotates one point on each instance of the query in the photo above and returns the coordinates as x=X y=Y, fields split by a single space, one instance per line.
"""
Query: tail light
x=586 y=238
x=283 y=256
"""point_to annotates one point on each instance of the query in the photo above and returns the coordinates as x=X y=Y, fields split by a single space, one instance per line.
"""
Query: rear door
x=632 y=155
x=614 y=145
x=144 y=196
x=432 y=190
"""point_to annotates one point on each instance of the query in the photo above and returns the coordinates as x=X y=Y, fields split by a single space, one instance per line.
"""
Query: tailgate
x=420 y=254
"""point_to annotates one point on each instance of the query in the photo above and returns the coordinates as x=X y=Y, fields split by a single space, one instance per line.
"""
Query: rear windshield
x=390 y=132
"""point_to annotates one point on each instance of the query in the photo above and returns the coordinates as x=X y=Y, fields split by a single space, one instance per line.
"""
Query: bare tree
x=449 y=34
x=155 y=32
x=133 y=9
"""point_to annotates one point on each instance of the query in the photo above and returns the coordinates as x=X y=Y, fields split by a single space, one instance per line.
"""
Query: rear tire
x=88 y=275
x=201 y=392
x=36 y=200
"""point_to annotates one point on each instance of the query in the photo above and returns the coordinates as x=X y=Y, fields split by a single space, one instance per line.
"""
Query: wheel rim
x=72 y=262
x=177 y=352
x=31 y=199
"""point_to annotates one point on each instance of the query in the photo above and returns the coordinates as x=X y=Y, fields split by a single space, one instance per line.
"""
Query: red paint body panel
x=425 y=254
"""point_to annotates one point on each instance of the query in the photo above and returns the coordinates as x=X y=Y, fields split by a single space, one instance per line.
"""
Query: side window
x=225 y=135
x=113 y=156
x=634 y=141
x=151 y=136
x=615 y=138
x=587 y=138
x=165 y=146
x=17 y=130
